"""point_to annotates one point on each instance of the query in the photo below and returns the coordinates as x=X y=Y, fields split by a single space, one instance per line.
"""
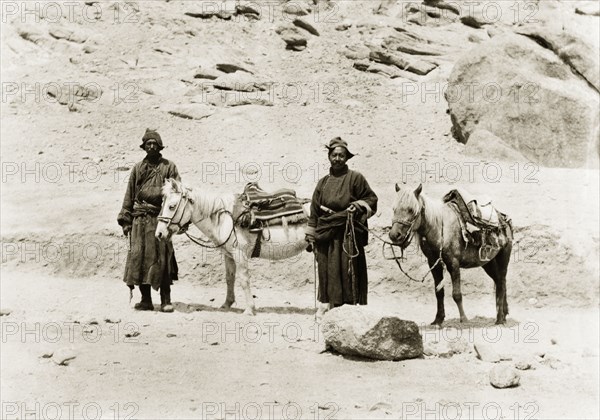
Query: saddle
x=481 y=223
x=257 y=209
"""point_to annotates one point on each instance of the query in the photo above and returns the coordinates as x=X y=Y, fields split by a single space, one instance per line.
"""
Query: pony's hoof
x=437 y=322
x=464 y=319
x=226 y=305
x=500 y=321
x=249 y=312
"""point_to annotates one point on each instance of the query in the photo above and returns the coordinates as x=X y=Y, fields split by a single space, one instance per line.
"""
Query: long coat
x=149 y=261
x=332 y=196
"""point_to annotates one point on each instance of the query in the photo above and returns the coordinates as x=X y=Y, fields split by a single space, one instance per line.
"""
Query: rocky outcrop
x=527 y=96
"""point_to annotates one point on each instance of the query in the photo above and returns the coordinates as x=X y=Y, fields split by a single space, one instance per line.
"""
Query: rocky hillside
x=250 y=91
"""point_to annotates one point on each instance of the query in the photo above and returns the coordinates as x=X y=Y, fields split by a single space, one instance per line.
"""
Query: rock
x=410 y=44
x=345 y=25
x=231 y=68
x=74 y=95
x=571 y=49
x=361 y=331
x=590 y=8
x=523 y=364
x=445 y=349
x=356 y=52
x=301 y=23
x=90 y=48
x=525 y=95
x=503 y=376
x=293 y=38
x=190 y=111
x=401 y=61
x=388 y=71
x=486 y=353
x=64 y=356
x=5 y=312
x=112 y=320
x=297 y=8
x=532 y=301
x=484 y=144
x=440 y=4
x=204 y=73
x=473 y=21
x=68 y=35
x=249 y=9
x=239 y=81
x=209 y=10
x=382 y=406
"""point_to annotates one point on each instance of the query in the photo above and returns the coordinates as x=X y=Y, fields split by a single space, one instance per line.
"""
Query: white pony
x=212 y=214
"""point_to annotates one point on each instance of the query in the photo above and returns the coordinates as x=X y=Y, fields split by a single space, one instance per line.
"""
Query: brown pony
x=438 y=231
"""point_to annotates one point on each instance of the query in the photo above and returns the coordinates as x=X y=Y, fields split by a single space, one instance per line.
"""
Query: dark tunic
x=336 y=192
x=149 y=261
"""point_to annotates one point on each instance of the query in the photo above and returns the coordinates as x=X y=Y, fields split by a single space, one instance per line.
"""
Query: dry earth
x=65 y=171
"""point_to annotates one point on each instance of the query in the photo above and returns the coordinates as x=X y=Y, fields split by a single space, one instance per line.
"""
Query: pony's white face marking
x=405 y=212
x=173 y=212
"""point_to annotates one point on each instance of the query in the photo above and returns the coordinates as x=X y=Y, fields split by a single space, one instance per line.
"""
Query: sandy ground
x=64 y=175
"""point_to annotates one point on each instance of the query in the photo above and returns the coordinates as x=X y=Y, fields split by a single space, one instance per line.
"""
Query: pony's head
x=407 y=214
x=175 y=213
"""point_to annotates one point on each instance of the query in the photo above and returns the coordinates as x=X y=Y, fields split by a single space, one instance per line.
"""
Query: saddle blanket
x=476 y=211
x=256 y=208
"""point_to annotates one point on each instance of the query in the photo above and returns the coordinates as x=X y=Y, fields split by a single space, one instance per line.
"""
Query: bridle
x=185 y=198
x=409 y=235
x=169 y=220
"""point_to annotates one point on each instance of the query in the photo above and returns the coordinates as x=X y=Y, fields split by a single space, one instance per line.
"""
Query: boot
x=165 y=298
x=146 y=303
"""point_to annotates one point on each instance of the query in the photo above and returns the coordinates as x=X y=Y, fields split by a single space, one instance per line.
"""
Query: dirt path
x=200 y=362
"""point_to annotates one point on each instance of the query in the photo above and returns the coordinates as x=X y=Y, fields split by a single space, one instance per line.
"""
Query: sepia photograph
x=300 y=209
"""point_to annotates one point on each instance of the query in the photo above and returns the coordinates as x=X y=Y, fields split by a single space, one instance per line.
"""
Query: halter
x=408 y=237
x=169 y=220
x=183 y=228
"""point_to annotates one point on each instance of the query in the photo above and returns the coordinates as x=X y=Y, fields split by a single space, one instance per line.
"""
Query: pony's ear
x=418 y=190
x=397 y=187
x=174 y=185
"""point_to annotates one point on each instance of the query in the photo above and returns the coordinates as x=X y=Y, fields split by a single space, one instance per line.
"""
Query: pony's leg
x=245 y=283
x=456 y=292
x=438 y=276
x=230 y=277
x=497 y=269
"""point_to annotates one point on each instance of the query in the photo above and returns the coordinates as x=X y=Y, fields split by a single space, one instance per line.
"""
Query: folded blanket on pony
x=256 y=209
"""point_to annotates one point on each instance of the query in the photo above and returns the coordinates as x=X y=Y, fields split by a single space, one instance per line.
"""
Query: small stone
x=532 y=301
x=170 y=335
x=486 y=353
x=502 y=376
x=387 y=408
x=64 y=356
x=5 y=312
x=553 y=341
x=523 y=365
x=112 y=320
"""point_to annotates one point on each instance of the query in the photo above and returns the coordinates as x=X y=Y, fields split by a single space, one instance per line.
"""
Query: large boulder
x=361 y=331
x=528 y=96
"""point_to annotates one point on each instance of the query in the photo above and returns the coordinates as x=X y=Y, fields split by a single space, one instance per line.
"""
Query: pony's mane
x=207 y=202
x=406 y=198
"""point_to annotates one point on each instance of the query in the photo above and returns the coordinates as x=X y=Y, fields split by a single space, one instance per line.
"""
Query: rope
x=397 y=259
x=350 y=234
x=206 y=243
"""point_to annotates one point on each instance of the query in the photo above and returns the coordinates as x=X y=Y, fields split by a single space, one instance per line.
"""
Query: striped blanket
x=256 y=208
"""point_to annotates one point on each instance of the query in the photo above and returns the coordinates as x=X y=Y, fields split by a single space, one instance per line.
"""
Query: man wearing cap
x=150 y=262
x=342 y=263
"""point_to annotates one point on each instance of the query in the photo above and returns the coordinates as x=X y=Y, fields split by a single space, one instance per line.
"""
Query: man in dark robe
x=150 y=263
x=341 y=192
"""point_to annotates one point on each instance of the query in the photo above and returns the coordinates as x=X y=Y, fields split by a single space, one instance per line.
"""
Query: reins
x=408 y=239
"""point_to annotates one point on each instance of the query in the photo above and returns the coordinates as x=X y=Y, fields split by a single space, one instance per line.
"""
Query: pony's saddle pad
x=476 y=212
x=257 y=208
